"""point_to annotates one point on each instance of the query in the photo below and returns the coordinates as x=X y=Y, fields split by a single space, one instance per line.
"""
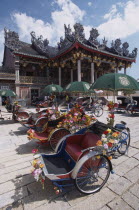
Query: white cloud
x=89 y=3
x=68 y=13
x=121 y=25
x=112 y=12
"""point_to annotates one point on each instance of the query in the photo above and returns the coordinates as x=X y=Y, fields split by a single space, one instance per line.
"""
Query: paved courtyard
x=19 y=190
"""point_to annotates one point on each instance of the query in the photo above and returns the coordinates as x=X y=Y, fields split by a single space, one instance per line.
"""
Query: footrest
x=56 y=165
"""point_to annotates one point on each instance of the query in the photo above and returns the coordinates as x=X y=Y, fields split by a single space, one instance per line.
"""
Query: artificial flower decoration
x=37 y=171
x=34 y=151
x=111 y=106
x=76 y=119
x=109 y=140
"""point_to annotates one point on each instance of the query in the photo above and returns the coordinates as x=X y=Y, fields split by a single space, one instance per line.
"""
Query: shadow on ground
x=33 y=196
x=28 y=147
x=21 y=131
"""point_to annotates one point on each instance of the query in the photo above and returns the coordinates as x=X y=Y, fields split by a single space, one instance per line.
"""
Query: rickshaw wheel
x=98 y=111
x=123 y=147
x=93 y=174
x=56 y=135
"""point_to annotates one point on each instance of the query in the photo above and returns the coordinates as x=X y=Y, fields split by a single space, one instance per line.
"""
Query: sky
x=113 y=19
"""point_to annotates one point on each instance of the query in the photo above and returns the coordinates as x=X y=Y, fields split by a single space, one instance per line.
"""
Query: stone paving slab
x=15 y=167
x=131 y=199
x=126 y=166
x=135 y=190
x=133 y=175
x=96 y=201
x=12 y=196
x=120 y=185
x=119 y=204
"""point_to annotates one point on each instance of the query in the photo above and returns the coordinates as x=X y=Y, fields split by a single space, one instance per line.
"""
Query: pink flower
x=105 y=146
x=34 y=150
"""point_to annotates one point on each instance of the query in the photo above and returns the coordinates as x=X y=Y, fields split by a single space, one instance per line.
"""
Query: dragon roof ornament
x=40 y=45
x=12 y=39
x=77 y=35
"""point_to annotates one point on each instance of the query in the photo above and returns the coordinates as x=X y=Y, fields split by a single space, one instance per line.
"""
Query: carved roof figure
x=116 y=46
x=39 y=44
x=134 y=53
x=68 y=33
x=124 y=48
x=93 y=37
x=104 y=41
x=12 y=39
x=41 y=47
x=79 y=32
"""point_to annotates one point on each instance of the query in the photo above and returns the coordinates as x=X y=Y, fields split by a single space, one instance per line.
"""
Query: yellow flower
x=98 y=157
x=109 y=130
x=104 y=152
x=104 y=139
x=99 y=143
x=112 y=141
x=41 y=165
x=110 y=157
x=115 y=134
x=34 y=162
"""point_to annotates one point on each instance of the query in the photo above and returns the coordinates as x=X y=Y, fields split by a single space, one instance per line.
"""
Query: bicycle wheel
x=98 y=111
x=56 y=135
x=124 y=144
x=92 y=175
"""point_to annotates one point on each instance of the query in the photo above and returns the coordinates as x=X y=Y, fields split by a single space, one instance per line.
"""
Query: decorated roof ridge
x=30 y=55
x=42 y=47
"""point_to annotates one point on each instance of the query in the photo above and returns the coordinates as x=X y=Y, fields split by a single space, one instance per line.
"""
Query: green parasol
x=115 y=81
x=7 y=93
x=53 y=88
x=77 y=87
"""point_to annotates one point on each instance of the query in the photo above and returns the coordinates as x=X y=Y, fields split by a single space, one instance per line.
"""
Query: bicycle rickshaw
x=123 y=102
x=79 y=159
x=133 y=108
x=51 y=129
x=46 y=131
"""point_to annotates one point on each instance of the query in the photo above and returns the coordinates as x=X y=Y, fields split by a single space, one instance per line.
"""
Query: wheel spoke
x=92 y=175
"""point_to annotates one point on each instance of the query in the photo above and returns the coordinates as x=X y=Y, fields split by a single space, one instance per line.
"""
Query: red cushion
x=74 y=150
x=89 y=140
x=76 y=139
x=77 y=143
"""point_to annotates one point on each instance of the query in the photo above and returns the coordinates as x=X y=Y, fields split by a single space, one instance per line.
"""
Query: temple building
x=28 y=68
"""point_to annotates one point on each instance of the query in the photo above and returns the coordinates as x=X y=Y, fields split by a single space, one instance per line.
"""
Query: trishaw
x=123 y=102
x=133 y=108
x=81 y=160
x=46 y=131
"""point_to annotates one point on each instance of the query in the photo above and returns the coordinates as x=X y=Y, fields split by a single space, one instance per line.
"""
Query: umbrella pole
x=114 y=95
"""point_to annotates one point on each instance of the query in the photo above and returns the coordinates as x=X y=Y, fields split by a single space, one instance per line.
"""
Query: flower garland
x=108 y=141
x=37 y=169
x=111 y=106
x=75 y=119
x=110 y=119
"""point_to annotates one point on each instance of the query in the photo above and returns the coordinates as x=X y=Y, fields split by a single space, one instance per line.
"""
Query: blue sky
x=113 y=19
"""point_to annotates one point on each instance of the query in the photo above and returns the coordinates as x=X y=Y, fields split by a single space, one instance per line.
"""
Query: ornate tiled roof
x=40 y=47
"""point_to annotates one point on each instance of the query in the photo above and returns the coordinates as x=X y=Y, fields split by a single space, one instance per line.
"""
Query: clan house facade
x=28 y=68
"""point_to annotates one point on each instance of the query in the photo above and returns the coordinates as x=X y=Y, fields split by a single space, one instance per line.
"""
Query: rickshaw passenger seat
x=74 y=148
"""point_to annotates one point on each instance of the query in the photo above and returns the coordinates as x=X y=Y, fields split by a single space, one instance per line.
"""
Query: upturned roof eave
x=77 y=45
